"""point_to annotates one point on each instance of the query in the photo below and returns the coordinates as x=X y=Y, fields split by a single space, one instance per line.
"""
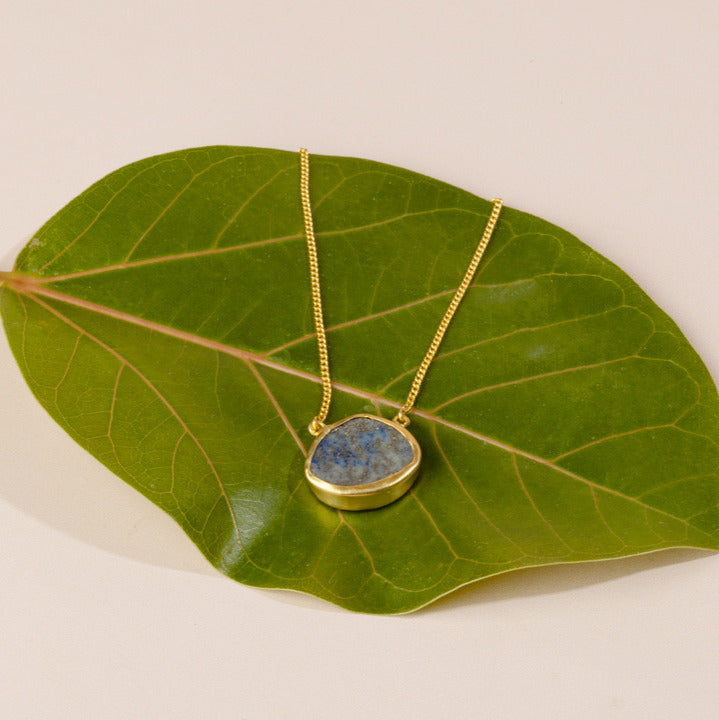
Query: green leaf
x=163 y=318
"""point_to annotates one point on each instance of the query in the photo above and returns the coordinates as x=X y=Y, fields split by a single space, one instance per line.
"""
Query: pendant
x=362 y=462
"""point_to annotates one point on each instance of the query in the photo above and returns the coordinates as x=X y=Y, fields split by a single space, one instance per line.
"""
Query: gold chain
x=317 y=423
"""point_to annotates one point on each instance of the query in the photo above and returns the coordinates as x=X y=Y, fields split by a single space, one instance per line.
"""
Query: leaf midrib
x=27 y=285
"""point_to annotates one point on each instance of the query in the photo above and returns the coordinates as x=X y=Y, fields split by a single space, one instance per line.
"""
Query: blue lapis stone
x=360 y=450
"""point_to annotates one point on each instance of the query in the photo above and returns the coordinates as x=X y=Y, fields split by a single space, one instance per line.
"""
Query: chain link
x=317 y=424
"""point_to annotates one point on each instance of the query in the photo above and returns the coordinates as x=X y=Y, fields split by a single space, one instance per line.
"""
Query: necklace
x=365 y=461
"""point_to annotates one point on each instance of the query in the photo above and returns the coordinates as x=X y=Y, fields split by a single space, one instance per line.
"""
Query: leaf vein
x=475 y=504
x=534 y=505
x=519 y=381
x=99 y=213
x=182 y=191
x=247 y=201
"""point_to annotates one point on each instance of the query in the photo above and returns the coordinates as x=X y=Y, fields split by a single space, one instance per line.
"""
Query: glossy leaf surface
x=163 y=318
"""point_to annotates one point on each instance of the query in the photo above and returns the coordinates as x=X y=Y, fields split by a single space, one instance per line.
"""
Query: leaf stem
x=17 y=280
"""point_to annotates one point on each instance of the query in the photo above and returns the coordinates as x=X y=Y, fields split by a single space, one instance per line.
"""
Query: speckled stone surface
x=359 y=451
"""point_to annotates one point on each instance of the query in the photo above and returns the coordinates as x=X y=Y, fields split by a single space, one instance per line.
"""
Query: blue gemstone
x=359 y=451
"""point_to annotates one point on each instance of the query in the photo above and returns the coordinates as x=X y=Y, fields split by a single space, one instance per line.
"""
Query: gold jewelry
x=366 y=461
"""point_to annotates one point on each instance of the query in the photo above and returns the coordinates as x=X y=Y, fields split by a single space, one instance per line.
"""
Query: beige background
x=601 y=117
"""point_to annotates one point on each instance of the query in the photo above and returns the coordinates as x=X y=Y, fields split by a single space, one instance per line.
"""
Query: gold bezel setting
x=370 y=495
